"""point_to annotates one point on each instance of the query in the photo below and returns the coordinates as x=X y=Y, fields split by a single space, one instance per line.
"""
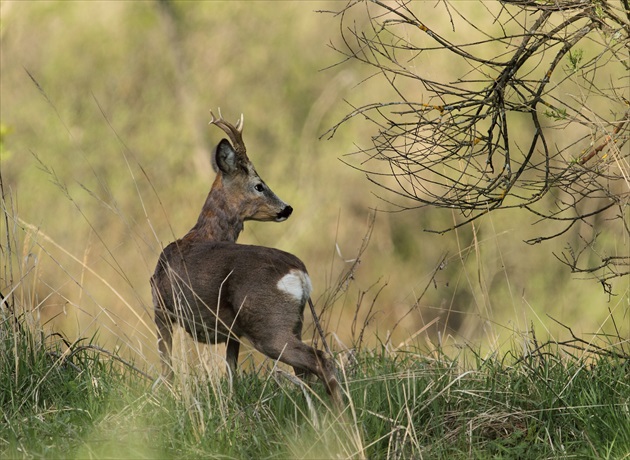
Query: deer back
x=218 y=289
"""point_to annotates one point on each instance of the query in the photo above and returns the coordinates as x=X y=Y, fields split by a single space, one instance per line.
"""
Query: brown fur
x=220 y=291
x=223 y=292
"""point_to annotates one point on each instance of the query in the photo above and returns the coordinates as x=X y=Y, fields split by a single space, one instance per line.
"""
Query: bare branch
x=530 y=112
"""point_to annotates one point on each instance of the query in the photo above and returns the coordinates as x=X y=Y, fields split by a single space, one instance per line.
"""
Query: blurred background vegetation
x=105 y=160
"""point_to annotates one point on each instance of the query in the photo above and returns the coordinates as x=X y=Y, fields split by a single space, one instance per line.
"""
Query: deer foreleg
x=231 y=353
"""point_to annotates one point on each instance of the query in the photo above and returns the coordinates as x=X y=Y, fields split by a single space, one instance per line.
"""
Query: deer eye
x=259 y=187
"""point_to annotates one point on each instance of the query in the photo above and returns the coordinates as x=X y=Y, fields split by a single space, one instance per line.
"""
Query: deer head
x=238 y=193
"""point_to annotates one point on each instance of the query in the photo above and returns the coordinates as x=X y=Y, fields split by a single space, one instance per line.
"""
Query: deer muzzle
x=284 y=214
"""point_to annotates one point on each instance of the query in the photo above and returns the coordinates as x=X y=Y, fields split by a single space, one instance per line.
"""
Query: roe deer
x=220 y=291
x=237 y=194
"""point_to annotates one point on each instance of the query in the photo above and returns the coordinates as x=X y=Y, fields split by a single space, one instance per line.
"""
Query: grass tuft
x=542 y=401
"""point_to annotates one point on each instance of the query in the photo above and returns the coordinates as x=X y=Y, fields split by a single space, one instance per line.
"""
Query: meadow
x=470 y=344
x=538 y=401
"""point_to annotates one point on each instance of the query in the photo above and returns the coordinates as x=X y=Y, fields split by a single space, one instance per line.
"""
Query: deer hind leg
x=304 y=360
x=302 y=373
x=164 y=326
x=328 y=375
x=165 y=343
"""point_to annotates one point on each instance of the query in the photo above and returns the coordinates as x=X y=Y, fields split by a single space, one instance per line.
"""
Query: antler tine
x=239 y=124
x=234 y=132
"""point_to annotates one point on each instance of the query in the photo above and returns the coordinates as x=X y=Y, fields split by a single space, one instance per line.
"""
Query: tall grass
x=428 y=397
x=105 y=153
x=535 y=401
x=464 y=381
x=74 y=399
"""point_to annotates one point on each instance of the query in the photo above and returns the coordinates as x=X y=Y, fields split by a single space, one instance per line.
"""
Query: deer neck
x=217 y=221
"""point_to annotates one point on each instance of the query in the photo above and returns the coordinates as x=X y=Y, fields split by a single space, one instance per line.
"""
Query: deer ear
x=225 y=159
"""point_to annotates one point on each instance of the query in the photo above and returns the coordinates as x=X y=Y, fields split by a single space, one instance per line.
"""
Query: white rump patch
x=297 y=284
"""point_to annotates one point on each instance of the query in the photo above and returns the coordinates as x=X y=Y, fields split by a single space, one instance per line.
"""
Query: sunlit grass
x=539 y=400
x=434 y=335
x=103 y=155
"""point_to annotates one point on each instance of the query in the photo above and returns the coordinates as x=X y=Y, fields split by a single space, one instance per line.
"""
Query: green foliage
x=575 y=58
x=557 y=114
x=49 y=394
x=77 y=403
x=101 y=167
x=108 y=162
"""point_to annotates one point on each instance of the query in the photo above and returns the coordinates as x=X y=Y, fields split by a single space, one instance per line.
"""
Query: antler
x=235 y=133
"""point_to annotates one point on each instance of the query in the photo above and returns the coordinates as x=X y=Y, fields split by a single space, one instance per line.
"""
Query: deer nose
x=285 y=213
